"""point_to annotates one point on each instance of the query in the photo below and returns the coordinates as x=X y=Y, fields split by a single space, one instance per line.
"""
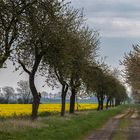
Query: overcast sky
x=118 y=22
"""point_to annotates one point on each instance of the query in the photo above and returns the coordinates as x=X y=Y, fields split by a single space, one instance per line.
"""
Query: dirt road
x=125 y=126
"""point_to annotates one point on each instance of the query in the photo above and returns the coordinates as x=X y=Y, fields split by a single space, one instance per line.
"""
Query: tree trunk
x=117 y=102
x=63 y=104
x=72 y=101
x=99 y=104
x=112 y=103
x=36 y=97
x=35 y=106
x=76 y=99
x=63 y=99
x=102 y=103
x=107 y=103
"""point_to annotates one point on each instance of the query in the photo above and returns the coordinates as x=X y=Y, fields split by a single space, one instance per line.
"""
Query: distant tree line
x=21 y=95
x=50 y=38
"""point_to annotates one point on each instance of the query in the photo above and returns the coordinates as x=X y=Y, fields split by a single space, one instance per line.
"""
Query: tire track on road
x=112 y=127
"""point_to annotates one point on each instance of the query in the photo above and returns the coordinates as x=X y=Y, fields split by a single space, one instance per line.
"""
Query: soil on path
x=111 y=129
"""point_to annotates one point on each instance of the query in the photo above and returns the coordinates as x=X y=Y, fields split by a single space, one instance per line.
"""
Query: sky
x=118 y=23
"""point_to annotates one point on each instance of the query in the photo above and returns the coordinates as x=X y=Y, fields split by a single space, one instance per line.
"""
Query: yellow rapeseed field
x=9 y=110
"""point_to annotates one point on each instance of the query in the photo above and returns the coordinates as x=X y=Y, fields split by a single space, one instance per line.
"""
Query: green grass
x=71 y=127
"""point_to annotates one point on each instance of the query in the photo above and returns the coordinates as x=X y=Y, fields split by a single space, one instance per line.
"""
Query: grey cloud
x=119 y=8
x=115 y=27
x=114 y=49
x=113 y=18
x=118 y=22
x=108 y=5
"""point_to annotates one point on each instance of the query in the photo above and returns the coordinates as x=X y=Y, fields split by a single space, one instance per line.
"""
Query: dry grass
x=19 y=125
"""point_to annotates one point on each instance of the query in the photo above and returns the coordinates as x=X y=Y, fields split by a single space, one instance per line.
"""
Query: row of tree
x=105 y=84
x=51 y=38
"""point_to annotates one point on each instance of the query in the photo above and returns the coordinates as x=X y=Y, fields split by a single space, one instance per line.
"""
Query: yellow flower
x=9 y=110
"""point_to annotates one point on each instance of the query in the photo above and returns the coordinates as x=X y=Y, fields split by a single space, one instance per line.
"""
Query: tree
x=121 y=94
x=86 y=51
x=8 y=92
x=94 y=80
x=103 y=83
x=45 y=95
x=39 y=36
x=132 y=68
x=111 y=88
x=136 y=95
x=59 y=60
x=111 y=91
x=10 y=26
x=101 y=90
x=24 y=92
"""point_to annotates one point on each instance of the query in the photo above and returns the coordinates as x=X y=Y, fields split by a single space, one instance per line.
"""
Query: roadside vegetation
x=53 y=127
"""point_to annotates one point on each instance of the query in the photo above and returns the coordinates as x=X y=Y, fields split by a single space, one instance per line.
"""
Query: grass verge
x=71 y=127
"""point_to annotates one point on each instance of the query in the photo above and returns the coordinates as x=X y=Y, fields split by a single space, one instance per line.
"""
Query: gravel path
x=134 y=130
x=112 y=127
x=106 y=132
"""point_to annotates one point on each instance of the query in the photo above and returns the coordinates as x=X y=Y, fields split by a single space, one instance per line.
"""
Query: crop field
x=9 y=110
